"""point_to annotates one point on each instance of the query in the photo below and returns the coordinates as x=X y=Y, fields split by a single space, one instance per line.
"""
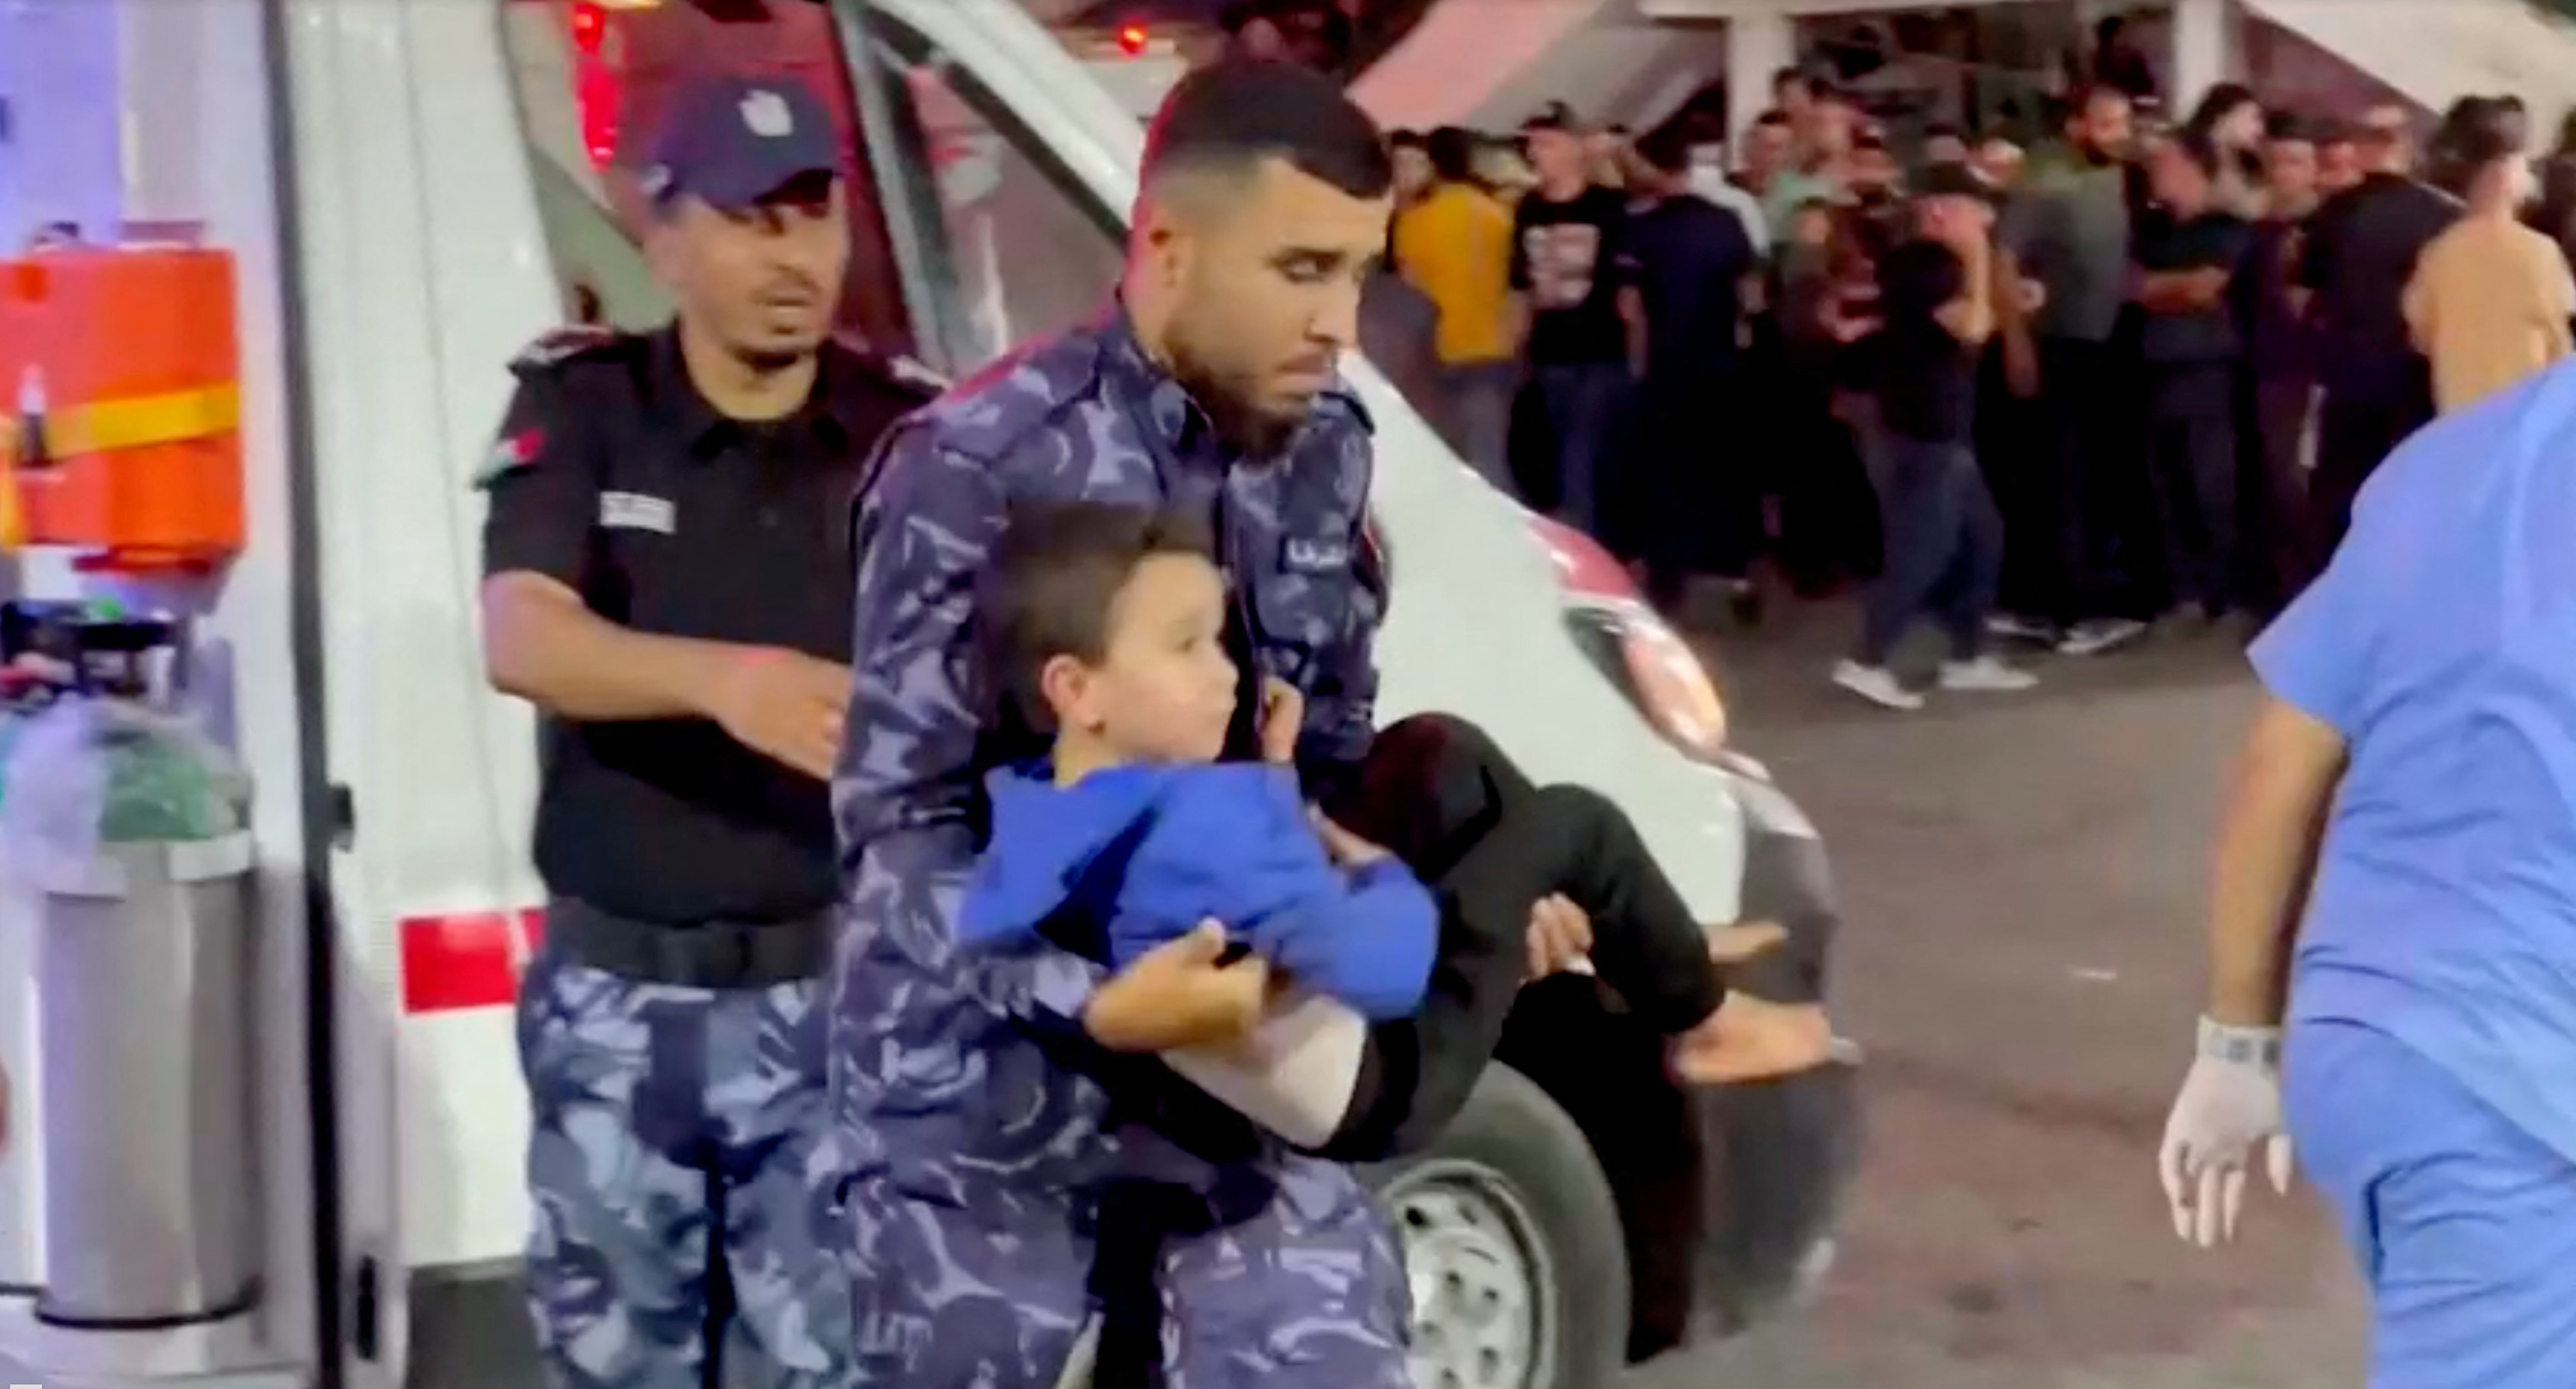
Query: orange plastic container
x=126 y=365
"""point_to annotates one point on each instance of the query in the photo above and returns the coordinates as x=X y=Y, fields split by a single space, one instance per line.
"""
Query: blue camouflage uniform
x=969 y=1122
x=676 y=1131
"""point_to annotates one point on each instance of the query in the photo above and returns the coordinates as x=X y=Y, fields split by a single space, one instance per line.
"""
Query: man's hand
x=1749 y=1038
x=2229 y=1107
x=1178 y=995
x=1560 y=937
x=1283 y=717
x=784 y=705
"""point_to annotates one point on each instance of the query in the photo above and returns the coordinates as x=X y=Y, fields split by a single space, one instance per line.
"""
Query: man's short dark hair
x=1666 y=148
x=1405 y=140
x=1231 y=116
x=1051 y=585
x=2280 y=125
x=1453 y=154
x=2474 y=134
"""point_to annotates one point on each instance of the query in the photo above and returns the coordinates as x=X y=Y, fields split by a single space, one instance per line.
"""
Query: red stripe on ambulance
x=466 y=960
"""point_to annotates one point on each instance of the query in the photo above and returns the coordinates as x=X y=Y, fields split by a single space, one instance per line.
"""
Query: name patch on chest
x=1300 y=554
x=633 y=511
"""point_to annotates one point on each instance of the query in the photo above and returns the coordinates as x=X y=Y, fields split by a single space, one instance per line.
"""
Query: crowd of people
x=2051 y=396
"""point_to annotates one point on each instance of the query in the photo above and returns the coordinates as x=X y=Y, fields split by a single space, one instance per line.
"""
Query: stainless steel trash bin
x=22 y=1258
x=143 y=966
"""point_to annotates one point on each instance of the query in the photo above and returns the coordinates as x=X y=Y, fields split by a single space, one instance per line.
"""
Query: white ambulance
x=414 y=190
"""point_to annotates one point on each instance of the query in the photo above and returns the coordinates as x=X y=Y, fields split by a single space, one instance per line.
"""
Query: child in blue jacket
x=1106 y=625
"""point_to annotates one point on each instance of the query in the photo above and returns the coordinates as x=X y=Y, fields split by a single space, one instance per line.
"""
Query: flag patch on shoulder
x=510 y=454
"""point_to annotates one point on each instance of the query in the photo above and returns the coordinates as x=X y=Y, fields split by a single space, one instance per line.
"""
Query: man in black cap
x=1943 y=536
x=668 y=577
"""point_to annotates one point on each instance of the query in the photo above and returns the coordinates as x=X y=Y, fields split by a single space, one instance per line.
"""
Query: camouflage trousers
x=1308 y=1294
x=678 y=1149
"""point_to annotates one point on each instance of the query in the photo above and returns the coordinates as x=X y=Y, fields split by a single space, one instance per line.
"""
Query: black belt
x=1130 y=1223
x=710 y=955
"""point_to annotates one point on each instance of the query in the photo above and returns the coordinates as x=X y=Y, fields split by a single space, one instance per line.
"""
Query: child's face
x=1164 y=689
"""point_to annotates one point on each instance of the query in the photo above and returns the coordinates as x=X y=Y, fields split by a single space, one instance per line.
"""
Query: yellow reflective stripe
x=143 y=421
x=13 y=524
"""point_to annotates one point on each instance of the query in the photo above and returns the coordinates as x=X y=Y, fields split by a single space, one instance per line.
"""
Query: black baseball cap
x=732 y=141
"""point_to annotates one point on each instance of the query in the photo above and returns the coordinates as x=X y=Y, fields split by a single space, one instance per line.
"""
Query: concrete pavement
x=2023 y=880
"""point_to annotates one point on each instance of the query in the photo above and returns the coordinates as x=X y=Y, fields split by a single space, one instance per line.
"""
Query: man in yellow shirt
x=1455 y=246
x=2491 y=299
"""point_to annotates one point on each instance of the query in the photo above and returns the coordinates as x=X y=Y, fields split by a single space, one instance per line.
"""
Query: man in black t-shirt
x=1580 y=316
x=1944 y=538
x=2188 y=255
x=2361 y=250
x=1690 y=261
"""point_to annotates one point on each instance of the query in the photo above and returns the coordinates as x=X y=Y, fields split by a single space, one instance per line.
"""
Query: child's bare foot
x=1733 y=945
x=1749 y=1038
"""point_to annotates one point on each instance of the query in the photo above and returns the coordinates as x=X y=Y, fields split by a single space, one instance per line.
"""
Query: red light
x=599 y=96
x=589 y=25
x=1132 y=39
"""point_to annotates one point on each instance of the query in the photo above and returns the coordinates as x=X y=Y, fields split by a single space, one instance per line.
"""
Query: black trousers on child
x=1441 y=796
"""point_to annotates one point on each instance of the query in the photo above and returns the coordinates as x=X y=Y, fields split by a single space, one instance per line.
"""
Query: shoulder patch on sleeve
x=559 y=345
x=513 y=451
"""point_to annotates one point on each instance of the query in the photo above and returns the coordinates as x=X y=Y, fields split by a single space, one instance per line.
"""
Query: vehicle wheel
x=1512 y=1246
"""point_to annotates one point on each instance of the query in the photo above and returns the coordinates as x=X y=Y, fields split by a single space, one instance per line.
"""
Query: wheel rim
x=1484 y=1306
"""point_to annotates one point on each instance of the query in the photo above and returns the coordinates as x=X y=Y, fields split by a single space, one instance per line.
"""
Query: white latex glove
x=2230 y=1105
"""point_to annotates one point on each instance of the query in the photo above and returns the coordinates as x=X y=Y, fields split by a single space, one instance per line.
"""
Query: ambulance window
x=592 y=78
x=1013 y=247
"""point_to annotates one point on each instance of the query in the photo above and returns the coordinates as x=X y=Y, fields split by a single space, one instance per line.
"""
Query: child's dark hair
x=1050 y=583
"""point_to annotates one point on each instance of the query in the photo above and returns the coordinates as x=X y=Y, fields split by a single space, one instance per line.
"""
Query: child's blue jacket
x=1151 y=851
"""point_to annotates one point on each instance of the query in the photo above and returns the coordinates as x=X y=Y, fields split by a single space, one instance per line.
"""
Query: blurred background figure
x=2491 y=299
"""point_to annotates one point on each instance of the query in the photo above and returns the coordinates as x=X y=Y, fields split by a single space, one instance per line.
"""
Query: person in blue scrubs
x=2393 y=937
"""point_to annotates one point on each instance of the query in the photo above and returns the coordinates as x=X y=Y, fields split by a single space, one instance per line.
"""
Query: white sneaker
x=2099 y=635
x=1877 y=684
x=2018 y=628
x=1985 y=675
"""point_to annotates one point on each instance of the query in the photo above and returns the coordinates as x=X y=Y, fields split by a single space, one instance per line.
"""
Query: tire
x=1511 y=1234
